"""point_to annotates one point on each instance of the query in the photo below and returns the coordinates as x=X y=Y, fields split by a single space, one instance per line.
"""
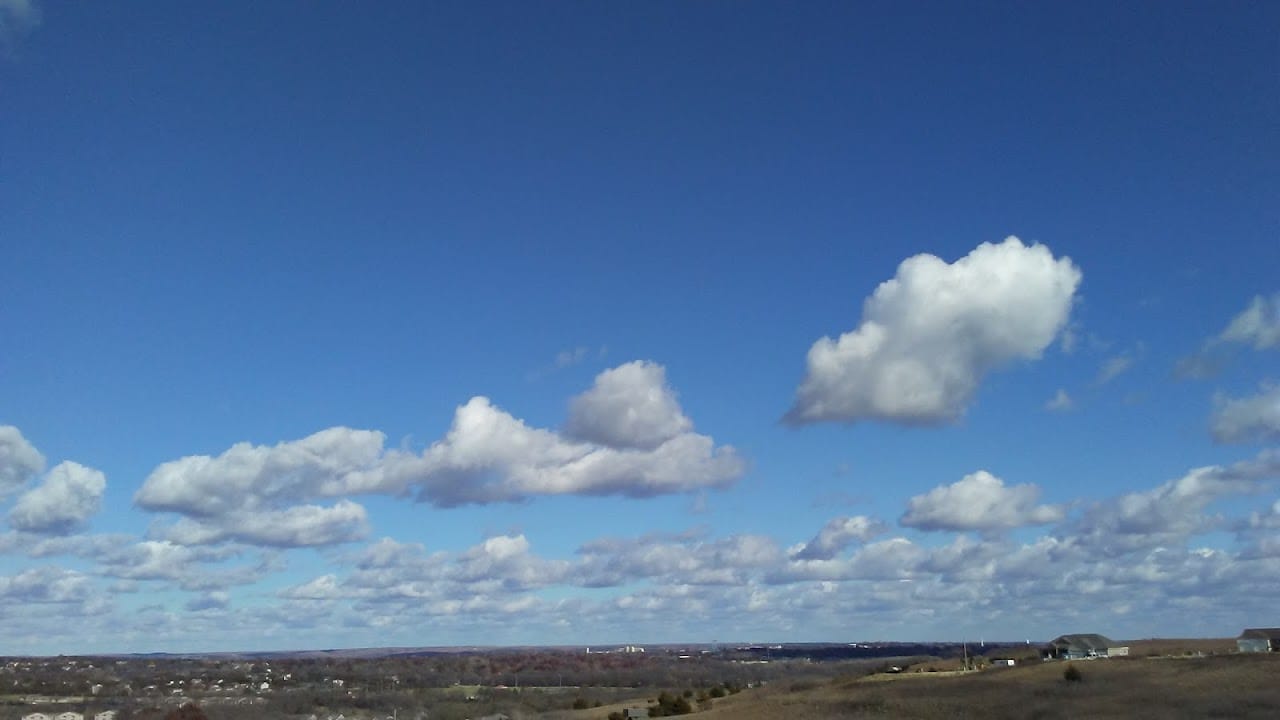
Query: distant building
x=105 y=715
x=1084 y=645
x=1003 y=662
x=69 y=716
x=1259 y=640
x=636 y=713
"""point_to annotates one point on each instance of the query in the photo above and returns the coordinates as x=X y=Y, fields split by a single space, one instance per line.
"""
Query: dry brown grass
x=1224 y=686
x=1176 y=646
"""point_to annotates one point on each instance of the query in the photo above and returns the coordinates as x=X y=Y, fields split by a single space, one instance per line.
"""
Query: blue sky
x=341 y=325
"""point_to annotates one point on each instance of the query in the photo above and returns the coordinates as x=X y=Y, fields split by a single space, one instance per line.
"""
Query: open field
x=1223 y=686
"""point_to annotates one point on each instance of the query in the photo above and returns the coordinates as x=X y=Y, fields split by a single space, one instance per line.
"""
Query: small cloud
x=980 y=501
x=1060 y=402
x=1113 y=368
x=1249 y=419
x=1206 y=364
x=699 y=505
x=216 y=600
x=1258 y=325
x=838 y=534
x=567 y=358
x=1070 y=339
x=1117 y=365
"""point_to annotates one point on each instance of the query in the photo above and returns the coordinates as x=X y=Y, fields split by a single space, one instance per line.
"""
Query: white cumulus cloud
x=979 y=501
x=256 y=494
x=642 y=445
x=490 y=456
x=929 y=335
x=630 y=406
x=45 y=585
x=252 y=477
x=65 y=498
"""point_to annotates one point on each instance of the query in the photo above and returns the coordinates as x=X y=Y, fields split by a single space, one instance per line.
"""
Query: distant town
x=627 y=681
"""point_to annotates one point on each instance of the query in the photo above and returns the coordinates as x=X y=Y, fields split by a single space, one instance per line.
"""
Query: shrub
x=1072 y=674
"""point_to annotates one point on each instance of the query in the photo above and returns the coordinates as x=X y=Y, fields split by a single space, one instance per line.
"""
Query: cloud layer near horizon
x=853 y=566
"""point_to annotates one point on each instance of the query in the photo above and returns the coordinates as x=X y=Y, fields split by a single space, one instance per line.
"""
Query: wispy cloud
x=1060 y=402
x=1113 y=367
x=17 y=18
x=1257 y=326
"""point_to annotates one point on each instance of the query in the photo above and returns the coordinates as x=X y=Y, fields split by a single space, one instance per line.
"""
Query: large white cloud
x=642 y=446
x=979 y=501
x=630 y=406
x=929 y=335
x=19 y=460
x=1249 y=419
x=65 y=498
x=256 y=477
x=490 y=456
x=256 y=494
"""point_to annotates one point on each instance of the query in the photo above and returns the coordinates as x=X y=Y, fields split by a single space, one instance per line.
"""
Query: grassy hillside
x=1224 y=686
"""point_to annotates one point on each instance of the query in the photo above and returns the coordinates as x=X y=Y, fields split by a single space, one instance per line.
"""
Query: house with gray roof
x=1083 y=646
x=1259 y=640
